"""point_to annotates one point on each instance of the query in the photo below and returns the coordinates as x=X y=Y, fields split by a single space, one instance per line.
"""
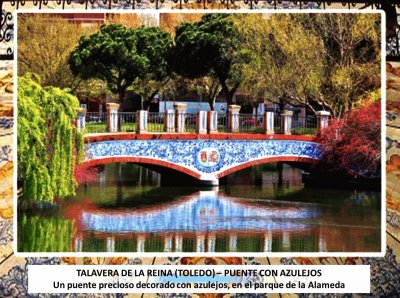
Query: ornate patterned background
x=385 y=271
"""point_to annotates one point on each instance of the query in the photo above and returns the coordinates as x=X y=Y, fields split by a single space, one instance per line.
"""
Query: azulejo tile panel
x=203 y=156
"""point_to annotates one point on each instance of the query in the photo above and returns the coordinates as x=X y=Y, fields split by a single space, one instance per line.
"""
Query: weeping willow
x=49 y=144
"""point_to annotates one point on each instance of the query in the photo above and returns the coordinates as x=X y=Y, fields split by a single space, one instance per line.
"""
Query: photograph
x=200 y=133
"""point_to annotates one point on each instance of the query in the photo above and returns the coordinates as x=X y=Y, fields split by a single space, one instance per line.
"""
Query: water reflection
x=263 y=209
x=204 y=211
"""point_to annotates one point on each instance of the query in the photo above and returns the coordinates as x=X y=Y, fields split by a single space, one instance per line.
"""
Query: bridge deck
x=98 y=137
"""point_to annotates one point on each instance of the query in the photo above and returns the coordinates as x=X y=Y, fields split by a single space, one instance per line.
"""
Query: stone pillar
x=200 y=243
x=180 y=112
x=286 y=240
x=78 y=243
x=232 y=242
x=141 y=121
x=201 y=122
x=212 y=122
x=286 y=120
x=233 y=118
x=168 y=243
x=269 y=123
x=267 y=242
x=178 y=243
x=211 y=242
x=112 y=117
x=110 y=243
x=140 y=243
x=80 y=121
x=322 y=119
x=169 y=121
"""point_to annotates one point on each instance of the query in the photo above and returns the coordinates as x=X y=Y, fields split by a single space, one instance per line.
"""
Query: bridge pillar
x=269 y=123
x=141 y=121
x=80 y=121
x=286 y=118
x=212 y=122
x=110 y=243
x=180 y=111
x=322 y=119
x=233 y=119
x=232 y=242
x=201 y=122
x=78 y=243
x=169 y=121
x=112 y=117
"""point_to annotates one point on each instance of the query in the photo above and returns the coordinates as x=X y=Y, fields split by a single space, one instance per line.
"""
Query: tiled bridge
x=205 y=154
x=206 y=158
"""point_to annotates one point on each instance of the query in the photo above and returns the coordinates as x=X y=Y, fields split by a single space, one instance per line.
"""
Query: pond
x=259 y=209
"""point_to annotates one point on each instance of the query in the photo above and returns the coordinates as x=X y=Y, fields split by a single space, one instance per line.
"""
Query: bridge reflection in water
x=209 y=221
x=262 y=209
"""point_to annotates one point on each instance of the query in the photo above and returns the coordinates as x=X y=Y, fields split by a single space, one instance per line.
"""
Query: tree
x=352 y=47
x=155 y=44
x=210 y=48
x=44 y=44
x=48 y=142
x=169 y=21
x=132 y=20
x=122 y=56
x=44 y=51
x=321 y=61
x=109 y=55
x=286 y=60
x=353 y=144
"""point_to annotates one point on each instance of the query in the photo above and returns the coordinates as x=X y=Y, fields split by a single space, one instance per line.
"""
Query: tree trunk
x=141 y=101
x=211 y=101
x=121 y=97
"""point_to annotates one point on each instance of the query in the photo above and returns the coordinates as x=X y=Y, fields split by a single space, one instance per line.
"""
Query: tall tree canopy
x=210 y=48
x=322 y=61
x=48 y=142
x=352 y=47
x=109 y=55
x=155 y=44
x=44 y=50
x=286 y=60
x=119 y=56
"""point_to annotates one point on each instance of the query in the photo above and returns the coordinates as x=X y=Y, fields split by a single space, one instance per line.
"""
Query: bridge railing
x=96 y=122
x=251 y=123
x=155 y=122
x=127 y=121
x=304 y=125
x=190 y=122
x=222 y=123
x=202 y=122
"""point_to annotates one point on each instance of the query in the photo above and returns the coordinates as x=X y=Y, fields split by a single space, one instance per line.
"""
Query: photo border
x=207 y=254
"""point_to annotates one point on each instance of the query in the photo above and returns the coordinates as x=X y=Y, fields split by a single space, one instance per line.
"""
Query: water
x=260 y=209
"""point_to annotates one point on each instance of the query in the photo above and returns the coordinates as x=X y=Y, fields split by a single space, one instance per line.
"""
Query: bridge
x=213 y=147
x=201 y=216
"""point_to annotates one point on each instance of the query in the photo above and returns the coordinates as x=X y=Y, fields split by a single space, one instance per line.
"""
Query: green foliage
x=119 y=55
x=40 y=234
x=319 y=60
x=155 y=44
x=210 y=48
x=44 y=44
x=47 y=141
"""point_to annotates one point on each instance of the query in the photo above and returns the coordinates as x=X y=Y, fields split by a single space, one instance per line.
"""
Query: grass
x=101 y=127
x=304 y=131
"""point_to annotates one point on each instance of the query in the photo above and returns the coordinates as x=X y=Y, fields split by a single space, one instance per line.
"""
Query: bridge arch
x=142 y=161
x=266 y=161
